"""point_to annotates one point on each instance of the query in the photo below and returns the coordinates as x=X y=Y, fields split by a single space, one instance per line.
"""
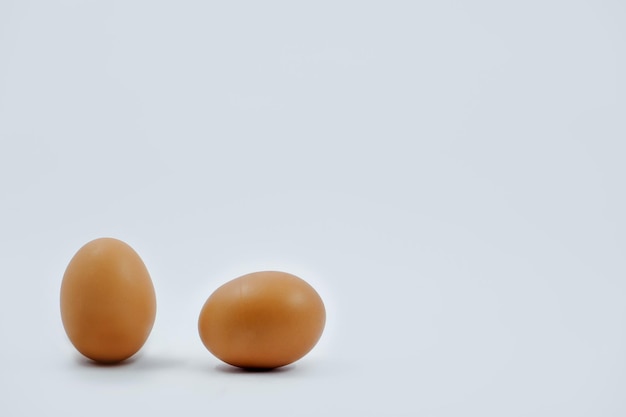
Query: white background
x=449 y=175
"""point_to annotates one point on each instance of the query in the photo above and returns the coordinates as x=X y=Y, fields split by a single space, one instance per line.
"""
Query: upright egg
x=108 y=304
x=262 y=320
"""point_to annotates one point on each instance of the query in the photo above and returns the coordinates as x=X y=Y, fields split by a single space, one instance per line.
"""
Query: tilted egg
x=108 y=304
x=262 y=320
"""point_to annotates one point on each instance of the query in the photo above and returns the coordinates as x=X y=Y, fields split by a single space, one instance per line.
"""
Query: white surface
x=449 y=175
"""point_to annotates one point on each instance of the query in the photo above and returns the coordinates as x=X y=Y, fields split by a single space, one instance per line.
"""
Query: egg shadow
x=137 y=362
x=90 y=363
x=229 y=369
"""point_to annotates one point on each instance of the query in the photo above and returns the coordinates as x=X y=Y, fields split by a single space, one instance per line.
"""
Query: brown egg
x=262 y=320
x=108 y=303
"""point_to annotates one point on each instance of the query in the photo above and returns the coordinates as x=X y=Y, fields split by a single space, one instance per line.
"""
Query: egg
x=262 y=320
x=108 y=303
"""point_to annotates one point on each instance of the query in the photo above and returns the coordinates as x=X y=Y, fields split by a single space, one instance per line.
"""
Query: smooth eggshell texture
x=108 y=304
x=262 y=320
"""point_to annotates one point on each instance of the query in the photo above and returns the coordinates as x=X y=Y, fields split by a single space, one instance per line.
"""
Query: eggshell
x=108 y=304
x=262 y=320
